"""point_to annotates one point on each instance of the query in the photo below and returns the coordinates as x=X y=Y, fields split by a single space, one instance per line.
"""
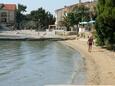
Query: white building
x=60 y=13
x=7 y=13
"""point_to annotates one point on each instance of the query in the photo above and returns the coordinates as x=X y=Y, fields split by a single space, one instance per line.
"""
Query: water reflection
x=38 y=63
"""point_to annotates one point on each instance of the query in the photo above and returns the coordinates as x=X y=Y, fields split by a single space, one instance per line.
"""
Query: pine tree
x=105 y=22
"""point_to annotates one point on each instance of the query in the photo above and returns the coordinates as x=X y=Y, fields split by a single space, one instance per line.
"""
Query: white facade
x=59 y=15
x=12 y=16
x=7 y=16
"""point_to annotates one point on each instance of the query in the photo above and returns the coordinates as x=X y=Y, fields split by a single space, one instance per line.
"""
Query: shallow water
x=39 y=63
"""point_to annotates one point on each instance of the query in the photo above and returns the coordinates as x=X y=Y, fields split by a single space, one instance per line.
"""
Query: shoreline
x=99 y=64
x=36 y=39
x=28 y=35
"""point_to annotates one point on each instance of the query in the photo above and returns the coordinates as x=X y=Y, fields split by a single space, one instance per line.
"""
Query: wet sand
x=99 y=64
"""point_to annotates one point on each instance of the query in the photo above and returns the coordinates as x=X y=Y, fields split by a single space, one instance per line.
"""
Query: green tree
x=70 y=20
x=79 y=13
x=82 y=13
x=65 y=23
x=105 y=22
x=19 y=15
x=42 y=18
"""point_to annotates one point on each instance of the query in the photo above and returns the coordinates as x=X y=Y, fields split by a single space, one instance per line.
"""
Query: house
x=8 y=14
x=60 y=13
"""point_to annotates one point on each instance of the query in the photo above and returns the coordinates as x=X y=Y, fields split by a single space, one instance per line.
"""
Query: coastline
x=32 y=35
x=99 y=64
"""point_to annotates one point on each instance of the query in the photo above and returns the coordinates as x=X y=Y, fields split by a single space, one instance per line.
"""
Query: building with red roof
x=7 y=13
x=9 y=7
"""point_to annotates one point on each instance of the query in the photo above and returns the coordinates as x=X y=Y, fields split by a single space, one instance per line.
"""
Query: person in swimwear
x=90 y=42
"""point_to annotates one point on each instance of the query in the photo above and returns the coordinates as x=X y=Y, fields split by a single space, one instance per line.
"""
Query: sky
x=49 y=5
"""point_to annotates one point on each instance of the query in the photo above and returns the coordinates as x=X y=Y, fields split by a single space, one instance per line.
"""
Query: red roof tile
x=10 y=7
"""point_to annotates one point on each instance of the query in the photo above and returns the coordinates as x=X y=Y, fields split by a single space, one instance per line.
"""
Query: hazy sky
x=49 y=5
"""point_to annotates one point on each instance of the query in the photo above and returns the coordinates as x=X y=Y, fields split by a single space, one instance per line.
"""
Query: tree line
x=38 y=19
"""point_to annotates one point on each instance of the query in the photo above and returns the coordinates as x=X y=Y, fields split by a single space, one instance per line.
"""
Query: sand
x=99 y=64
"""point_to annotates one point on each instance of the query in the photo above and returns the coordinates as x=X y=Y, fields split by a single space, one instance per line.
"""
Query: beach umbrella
x=92 y=21
x=83 y=23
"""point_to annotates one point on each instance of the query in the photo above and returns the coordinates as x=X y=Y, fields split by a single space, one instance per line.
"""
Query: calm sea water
x=39 y=63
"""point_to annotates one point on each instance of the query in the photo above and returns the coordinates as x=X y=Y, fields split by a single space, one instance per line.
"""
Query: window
x=3 y=14
x=4 y=20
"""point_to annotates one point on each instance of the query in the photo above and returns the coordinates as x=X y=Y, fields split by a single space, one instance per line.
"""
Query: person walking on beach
x=90 y=42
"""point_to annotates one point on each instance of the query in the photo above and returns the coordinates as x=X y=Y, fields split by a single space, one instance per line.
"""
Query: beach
x=99 y=64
